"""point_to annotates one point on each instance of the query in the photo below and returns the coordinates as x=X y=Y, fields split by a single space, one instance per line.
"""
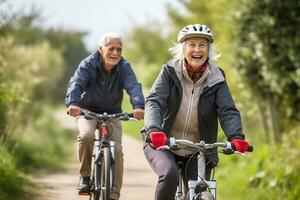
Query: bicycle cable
x=188 y=162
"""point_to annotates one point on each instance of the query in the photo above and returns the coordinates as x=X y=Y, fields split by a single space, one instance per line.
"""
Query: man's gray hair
x=105 y=36
x=178 y=48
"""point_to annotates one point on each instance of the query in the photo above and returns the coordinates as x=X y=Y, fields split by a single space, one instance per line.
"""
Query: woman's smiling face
x=196 y=51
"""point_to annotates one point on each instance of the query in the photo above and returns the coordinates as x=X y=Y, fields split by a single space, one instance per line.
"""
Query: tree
x=269 y=47
x=147 y=49
x=27 y=31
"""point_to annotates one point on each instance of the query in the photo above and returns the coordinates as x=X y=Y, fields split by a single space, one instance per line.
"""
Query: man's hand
x=138 y=113
x=74 y=111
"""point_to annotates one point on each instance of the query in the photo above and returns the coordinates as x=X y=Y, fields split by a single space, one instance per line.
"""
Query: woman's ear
x=100 y=50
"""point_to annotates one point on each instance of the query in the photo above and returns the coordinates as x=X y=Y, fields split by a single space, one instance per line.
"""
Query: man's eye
x=113 y=49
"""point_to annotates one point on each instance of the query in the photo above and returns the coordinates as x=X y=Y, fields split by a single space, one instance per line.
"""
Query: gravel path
x=138 y=182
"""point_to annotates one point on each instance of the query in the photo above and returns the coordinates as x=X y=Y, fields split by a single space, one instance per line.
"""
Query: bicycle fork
x=201 y=181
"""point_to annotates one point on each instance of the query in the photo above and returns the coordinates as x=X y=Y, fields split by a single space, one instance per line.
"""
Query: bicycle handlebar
x=105 y=116
x=176 y=144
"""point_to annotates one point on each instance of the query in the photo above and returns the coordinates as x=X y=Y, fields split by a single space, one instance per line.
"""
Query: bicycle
x=104 y=154
x=209 y=186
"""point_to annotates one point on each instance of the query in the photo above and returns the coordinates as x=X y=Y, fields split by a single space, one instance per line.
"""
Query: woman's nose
x=197 y=48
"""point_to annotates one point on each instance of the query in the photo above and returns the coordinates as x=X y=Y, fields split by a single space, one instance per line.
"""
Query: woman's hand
x=240 y=145
x=158 y=138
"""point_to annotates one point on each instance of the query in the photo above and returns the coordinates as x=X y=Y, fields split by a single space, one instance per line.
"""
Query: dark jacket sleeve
x=133 y=87
x=77 y=84
x=229 y=115
x=156 y=103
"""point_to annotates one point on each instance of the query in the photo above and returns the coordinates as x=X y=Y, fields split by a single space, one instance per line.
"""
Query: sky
x=96 y=16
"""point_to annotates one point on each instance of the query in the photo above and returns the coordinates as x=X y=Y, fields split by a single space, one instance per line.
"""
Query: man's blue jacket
x=93 y=89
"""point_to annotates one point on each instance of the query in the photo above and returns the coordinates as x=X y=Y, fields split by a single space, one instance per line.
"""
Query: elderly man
x=97 y=85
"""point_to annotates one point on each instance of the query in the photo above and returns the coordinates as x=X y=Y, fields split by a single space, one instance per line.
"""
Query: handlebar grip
x=250 y=148
x=130 y=115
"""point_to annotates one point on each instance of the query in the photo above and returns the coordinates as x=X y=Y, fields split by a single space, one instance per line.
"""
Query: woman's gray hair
x=178 y=48
x=105 y=36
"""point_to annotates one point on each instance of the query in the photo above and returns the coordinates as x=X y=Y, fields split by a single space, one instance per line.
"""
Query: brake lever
x=167 y=147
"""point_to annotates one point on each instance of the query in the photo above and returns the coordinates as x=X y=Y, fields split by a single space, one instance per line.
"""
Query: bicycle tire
x=206 y=196
x=202 y=196
x=105 y=173
x=96 y=182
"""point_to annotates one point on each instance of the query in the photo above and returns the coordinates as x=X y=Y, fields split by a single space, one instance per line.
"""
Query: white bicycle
x=209 y=187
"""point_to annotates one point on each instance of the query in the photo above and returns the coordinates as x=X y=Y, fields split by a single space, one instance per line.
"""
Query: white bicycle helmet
x=193 y=30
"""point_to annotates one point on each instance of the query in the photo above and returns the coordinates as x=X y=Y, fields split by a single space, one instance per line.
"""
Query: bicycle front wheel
x=105 y=173
x=96 y=182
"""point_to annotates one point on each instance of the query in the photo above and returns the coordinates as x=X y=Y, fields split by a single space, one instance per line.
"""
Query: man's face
x=111 y=52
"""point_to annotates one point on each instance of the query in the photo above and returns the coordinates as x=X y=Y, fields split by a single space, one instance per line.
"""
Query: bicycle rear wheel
x=105 y=161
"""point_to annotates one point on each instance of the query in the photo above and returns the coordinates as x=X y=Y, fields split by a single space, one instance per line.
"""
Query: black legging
x=164 y=165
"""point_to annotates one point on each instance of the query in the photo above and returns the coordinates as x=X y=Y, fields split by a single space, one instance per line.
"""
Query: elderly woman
x=188 y=97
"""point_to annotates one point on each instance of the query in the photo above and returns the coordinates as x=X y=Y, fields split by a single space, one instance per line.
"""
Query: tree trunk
x=265 y=121
x=275 y=121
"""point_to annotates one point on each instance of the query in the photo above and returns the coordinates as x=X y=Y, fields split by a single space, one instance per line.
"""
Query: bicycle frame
x=100 y=141
x=192 y=184
x=201 y=181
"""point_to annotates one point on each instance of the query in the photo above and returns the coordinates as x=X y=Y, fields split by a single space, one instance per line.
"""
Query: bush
x=278 y=174
x=11 y=181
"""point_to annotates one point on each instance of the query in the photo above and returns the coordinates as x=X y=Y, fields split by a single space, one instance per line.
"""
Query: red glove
x=240 y=145
x=158 y=138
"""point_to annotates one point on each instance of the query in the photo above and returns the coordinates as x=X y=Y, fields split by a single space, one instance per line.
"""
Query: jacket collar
x=214 y=77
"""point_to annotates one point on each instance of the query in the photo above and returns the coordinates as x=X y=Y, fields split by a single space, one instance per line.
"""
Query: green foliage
x=26 y=31
x=270 y=172
x=73 y=50
x=43 y=144
x=11 y=181
x=147 y=49
x=269 y=46
x=278 y=175
x=51 y=147
x=23 y=91
x=132 y=128
x=32 y=70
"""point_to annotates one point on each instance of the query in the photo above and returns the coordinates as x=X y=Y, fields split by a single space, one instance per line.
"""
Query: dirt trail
x=138 y=182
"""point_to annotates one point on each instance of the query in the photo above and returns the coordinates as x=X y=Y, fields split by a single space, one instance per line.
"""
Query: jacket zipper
x=186 y=124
